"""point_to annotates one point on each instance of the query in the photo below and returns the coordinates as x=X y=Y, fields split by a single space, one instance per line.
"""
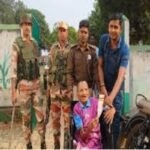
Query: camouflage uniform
x=57 y=80
x=25 y=69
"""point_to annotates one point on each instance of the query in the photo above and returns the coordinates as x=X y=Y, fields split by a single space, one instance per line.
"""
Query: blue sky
x=71 y=11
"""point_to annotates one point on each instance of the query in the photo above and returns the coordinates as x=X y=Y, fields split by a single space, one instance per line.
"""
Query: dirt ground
x=13 y=139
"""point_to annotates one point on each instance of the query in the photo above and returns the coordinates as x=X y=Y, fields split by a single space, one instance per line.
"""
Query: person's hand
x=64 y=92
x=108 y=101
x=92 y=124
x=109 y=115
x=83 y=134
x=46 y=67
x=67 y=93
x=14 y=96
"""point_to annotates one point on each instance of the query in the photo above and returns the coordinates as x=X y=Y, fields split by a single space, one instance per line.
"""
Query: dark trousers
x=110 y=133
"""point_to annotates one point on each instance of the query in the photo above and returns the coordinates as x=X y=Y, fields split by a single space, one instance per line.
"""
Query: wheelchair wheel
x=72 y=126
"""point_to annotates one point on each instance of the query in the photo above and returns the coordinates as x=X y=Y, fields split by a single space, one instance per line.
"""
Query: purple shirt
x=83 y=115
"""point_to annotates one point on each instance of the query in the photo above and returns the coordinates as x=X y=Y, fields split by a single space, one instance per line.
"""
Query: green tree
x=53 y=36
x=11 y=11
x=7 y=14
x=95 y=21
x=44 y=29
x=137 y=11
x=72 y=35
x=20 y=9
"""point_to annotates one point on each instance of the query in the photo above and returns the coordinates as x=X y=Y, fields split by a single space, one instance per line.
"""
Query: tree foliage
x=137 y=11
x=11 y=11
x=53 y=36
x=20 y=9
x=95 y=21
x=72 y=35
x=44 y=28
x=7 y=14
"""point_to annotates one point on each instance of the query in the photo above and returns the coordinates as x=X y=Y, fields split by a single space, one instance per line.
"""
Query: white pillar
x=127 y=92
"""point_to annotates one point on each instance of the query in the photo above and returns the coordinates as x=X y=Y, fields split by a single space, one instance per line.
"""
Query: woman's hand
x=109 y=115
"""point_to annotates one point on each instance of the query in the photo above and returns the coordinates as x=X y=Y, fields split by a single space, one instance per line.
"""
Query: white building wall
x=7 y=37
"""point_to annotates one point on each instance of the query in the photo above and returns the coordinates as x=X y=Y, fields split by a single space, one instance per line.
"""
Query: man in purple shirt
x=87 y=133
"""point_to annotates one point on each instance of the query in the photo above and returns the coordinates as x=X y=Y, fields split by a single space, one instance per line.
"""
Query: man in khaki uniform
x=82 y=61
x=25 y=80
x=60 y=101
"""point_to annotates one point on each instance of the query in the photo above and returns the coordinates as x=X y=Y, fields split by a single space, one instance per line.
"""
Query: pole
x=11 y=127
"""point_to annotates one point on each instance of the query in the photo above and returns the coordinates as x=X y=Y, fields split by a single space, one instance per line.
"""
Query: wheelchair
x=72 y=139
x=72 y=126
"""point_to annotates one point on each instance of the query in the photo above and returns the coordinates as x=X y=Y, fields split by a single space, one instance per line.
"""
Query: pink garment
x=87 y=114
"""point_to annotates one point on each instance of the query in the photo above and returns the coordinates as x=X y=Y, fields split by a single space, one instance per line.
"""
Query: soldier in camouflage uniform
x=60 y=101
x=25 y=80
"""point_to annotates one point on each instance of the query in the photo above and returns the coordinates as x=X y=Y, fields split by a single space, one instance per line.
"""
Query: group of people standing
x=73 y=73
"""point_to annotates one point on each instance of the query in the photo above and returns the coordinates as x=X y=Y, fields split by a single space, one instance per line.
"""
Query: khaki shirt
x=81 y=65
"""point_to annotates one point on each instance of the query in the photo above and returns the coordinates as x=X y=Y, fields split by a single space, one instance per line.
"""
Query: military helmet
x=27 y=18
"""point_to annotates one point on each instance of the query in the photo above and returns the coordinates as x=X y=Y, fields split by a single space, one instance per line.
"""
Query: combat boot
x=66 y=140
x=29 y=145
x=56 y=142
x=43 y=145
